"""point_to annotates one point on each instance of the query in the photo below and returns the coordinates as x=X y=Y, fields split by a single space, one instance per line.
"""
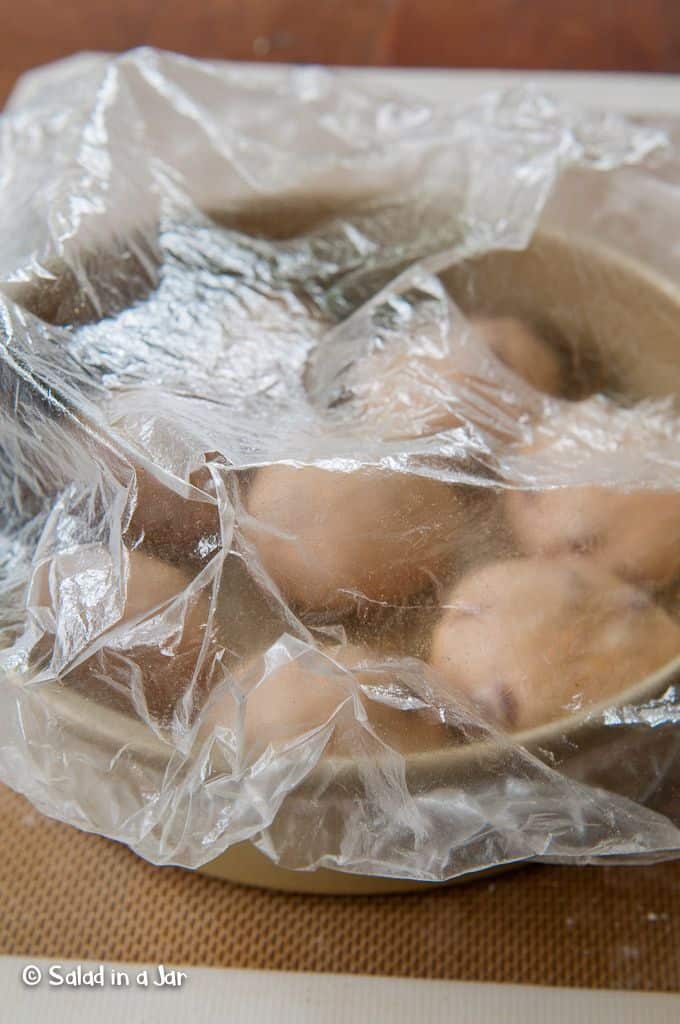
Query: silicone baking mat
x=65 y=894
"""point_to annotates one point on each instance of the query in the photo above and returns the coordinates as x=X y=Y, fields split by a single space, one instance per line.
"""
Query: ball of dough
x=531 y=640
x=147 y=640
x=330 y=539
x=417 y=395
x=521 y=349
x=285 y=698
x=634 y=533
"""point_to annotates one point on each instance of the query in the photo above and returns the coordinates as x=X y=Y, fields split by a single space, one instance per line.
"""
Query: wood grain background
x=632 y=35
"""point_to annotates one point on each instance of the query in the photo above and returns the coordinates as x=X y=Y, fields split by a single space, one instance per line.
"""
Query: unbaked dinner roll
x=634 y=533
x=329 y=539
x=145 y=638
x=530 y=640
x=417 y=395
x=285 y=697
x=523 y=351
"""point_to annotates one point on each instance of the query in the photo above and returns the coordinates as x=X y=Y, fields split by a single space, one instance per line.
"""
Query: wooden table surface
x=607 y=35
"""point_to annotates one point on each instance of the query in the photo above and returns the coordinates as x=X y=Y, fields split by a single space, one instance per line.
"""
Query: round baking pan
x=609 y=310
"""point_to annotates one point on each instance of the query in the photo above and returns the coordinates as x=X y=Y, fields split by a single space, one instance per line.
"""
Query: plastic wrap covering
x=340 y=469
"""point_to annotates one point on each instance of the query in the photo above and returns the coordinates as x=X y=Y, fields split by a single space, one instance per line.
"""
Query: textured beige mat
x=65 y=894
